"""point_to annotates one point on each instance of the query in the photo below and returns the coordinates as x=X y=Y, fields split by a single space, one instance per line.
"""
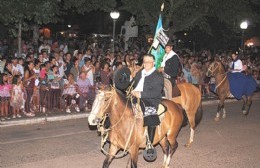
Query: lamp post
x=243 y=26
x=114 y=15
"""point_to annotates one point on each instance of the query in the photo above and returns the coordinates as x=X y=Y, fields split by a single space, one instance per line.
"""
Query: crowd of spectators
x=53 y=75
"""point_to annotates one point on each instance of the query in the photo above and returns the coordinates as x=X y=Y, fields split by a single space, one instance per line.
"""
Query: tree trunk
x=35 y=34
x=19 y=39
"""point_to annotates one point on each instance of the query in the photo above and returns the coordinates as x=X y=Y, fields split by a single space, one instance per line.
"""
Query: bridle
x=104 y=132
x=213 y=71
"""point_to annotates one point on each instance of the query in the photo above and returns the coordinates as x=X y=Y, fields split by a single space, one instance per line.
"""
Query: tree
x=180 y=15
x=18 y=14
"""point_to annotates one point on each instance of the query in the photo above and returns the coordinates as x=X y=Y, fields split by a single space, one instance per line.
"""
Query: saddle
x=160 y=112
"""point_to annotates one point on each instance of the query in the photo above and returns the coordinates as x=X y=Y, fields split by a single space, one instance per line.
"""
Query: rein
x=212 y=71
x=104 y=132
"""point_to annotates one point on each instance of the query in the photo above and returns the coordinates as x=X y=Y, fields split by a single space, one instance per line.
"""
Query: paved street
x=230 y=143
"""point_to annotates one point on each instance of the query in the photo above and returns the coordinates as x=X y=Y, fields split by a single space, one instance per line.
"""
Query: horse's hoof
x=216 y=119
x=187 y=145
x=224 y=116
x=245 y=112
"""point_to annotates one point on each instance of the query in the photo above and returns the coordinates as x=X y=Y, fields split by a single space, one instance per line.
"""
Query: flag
x=157 y=49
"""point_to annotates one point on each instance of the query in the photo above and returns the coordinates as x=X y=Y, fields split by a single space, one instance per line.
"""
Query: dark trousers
x=43 y=96
x=55 y=98
x=29 y=92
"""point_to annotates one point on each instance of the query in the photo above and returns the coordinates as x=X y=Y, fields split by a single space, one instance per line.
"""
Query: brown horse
x=190 y=100
x=126 y=130
x=217 y=70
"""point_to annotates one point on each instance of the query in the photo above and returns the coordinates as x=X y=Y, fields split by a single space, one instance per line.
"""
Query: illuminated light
x=244 y=25
x=250 y=44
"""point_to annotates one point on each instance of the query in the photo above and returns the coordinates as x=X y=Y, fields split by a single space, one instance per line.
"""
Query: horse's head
x=100 y=106
x=214 y=68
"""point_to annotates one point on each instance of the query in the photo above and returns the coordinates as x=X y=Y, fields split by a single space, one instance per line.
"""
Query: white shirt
x=166 y=57
x=18 y=68
x=140 y=85
x=238 y=66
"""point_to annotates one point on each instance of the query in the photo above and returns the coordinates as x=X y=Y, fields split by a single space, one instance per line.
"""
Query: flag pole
x=162 y=8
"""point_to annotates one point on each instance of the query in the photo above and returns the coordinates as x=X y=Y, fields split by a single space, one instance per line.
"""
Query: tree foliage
x=182 y=15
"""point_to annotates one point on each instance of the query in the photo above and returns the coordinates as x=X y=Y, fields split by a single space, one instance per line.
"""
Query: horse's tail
x=198 y=115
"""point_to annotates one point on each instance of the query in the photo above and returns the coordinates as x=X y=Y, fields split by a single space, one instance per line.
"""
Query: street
x=231 y=143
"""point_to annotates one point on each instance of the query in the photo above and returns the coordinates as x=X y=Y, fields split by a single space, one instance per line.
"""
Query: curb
x=38 y=120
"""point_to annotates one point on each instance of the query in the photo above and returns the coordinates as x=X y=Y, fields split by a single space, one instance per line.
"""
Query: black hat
x=122 y=78
x=169 y=43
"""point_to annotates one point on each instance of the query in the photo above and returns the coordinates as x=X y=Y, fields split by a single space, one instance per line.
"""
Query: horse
x=190 y=100
x=126 y=131
x=222 y=89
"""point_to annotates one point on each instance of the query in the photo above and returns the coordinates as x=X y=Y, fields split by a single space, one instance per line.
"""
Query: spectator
x=70 y=93
x=5 y=89
x=17 y=96
x=83 y=89
x=29 y=83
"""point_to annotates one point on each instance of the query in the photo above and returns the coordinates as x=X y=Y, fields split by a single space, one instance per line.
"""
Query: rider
x=170 y=67
x=240 y=83
x=236 y=64
x=148 y=86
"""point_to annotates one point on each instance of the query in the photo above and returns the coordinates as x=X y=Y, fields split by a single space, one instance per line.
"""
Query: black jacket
x=172 y=66
x=151 y=94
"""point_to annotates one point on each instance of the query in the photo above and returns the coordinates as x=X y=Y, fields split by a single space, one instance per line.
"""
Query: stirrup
x=149 y=153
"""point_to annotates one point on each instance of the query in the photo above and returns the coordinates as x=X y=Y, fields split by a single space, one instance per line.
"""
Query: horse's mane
x=122 y=95
x=223 y=67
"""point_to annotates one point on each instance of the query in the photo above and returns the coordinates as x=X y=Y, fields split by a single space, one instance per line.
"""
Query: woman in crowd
x=29 y=83
x=88 y=68
x=75 y=69
x=105 y=74
x=70 y=94
x=97 y=72
x=83 y=89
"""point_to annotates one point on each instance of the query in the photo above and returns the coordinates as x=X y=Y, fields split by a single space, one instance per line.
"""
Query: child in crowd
x=55 y=87
x=43 y=85
x=17 y=96
x=5 y=89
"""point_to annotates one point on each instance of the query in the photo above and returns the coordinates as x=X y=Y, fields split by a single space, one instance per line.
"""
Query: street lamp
x=114 y=15
x=243 y=26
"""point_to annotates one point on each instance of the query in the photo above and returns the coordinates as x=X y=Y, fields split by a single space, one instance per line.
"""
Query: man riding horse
x=148 y=86
x=170 y=68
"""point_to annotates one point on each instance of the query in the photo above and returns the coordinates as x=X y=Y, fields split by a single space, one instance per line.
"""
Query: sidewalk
x=61 y=116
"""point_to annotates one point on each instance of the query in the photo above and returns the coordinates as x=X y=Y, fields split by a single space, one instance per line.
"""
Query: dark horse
x=222 y=89
x=126 y=131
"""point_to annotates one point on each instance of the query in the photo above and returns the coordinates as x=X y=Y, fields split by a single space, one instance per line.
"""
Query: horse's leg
x=173 y=145
x=248 y=105
x=224 y=112
x=165 y=147
x=220 y=107
x=112 y=151
x=244 y=98
x=191 y=119
x=133 y=151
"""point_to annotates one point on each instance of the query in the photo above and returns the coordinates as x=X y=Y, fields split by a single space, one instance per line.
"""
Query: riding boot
x=151 y=132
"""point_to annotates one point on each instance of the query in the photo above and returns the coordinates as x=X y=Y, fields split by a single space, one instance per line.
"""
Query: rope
x=104 y=132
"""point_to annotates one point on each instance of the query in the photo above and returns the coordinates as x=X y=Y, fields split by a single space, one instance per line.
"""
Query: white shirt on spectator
x=19 y=68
